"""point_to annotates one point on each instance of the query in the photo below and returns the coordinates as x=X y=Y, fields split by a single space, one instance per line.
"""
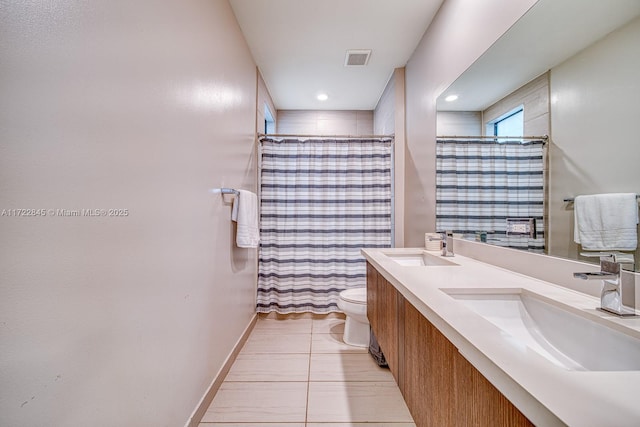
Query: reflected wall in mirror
x=574 y=69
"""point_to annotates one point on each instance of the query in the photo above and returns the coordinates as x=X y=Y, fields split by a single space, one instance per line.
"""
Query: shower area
x=322 y=199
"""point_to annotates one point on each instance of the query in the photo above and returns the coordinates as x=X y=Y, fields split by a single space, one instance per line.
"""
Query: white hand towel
x=245 y=214
x=606 y=221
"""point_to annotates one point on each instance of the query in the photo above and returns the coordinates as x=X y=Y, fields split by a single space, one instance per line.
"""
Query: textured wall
x=384 y=114
x=319 y=122
x=264 y=98
x=141 y=106
x=459 y=123
x=389 y=118
x=534 y=96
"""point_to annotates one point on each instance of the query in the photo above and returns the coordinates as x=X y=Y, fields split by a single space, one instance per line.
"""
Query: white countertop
x=547 y=394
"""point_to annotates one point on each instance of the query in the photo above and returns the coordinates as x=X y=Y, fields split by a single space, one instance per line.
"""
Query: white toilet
x=353 y=302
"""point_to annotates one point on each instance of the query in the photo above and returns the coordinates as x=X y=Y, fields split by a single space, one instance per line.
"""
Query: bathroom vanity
x=444 y=327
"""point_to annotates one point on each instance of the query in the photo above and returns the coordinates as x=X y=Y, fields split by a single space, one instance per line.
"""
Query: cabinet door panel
x=479 y=403
x=428 y=371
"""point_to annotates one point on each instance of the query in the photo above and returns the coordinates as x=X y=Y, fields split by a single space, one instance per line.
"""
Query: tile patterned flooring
x=297 y=372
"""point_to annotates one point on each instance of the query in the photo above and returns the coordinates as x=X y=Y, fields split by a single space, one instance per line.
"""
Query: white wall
x=461 y=31
x=594 y=121
x=139 y=105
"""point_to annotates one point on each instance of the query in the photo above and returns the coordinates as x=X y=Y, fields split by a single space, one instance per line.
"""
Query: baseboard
x=206 y=400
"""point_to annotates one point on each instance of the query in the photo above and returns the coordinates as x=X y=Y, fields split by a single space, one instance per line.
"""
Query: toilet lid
x=356 y=295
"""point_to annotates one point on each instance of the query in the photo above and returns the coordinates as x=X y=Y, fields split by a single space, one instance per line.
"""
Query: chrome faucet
x=618 y=288
x=447 y=243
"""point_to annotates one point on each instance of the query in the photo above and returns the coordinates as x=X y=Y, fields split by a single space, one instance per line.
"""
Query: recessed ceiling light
x=451 y=98
x=322 y=97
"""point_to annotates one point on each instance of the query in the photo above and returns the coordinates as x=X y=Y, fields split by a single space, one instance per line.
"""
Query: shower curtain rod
x=297 y=135
x=544 y=138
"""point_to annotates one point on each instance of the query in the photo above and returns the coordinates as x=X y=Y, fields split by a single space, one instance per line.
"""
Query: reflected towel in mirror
x=606 y=221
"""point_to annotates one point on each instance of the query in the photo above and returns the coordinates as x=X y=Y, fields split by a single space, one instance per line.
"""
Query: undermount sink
x=564 y=335
x=419 y=259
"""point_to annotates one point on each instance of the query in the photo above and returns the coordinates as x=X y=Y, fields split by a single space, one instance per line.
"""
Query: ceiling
x=300 y=46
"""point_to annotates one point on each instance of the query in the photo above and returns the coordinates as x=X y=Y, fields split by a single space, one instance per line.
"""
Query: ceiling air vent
x=356 y=58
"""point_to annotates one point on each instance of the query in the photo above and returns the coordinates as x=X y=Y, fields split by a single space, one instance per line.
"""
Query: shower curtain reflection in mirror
x=481 y=183
x=321 y=202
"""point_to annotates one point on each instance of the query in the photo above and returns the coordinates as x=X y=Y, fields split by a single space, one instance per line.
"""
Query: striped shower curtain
x=479 y=184
x=321 y=201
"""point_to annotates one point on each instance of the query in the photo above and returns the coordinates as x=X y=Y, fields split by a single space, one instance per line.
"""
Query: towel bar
x=571 y=199
x=225 y=191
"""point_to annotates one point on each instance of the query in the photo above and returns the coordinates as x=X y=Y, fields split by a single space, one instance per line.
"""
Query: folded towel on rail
x=245 y=214
x=606 y=221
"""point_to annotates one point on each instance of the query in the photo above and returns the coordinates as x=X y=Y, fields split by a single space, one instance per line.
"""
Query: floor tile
x=279 y=424
x=290 y=316
x=283 y=326
x=258 y=402
x=347 y=367
x=329 y=325
x=360 y=424
x=332 y=343
x=356 y=402
x=268 y=383
x=272 y=367
x=277 y=343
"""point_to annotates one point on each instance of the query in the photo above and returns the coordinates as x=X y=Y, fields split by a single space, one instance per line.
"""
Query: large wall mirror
x=569 y=69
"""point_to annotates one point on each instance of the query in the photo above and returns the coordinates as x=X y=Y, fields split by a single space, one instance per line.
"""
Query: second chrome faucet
x=447 y=243
x=618 y=290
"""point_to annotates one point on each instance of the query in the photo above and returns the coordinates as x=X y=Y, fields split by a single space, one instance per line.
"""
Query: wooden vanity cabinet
x=382 y=311
x=440 y=387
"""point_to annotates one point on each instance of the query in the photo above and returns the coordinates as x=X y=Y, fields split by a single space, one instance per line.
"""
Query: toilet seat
x=355 y=296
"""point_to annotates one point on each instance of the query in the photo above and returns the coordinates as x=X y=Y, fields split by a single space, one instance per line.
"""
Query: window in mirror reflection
x=509 y=124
